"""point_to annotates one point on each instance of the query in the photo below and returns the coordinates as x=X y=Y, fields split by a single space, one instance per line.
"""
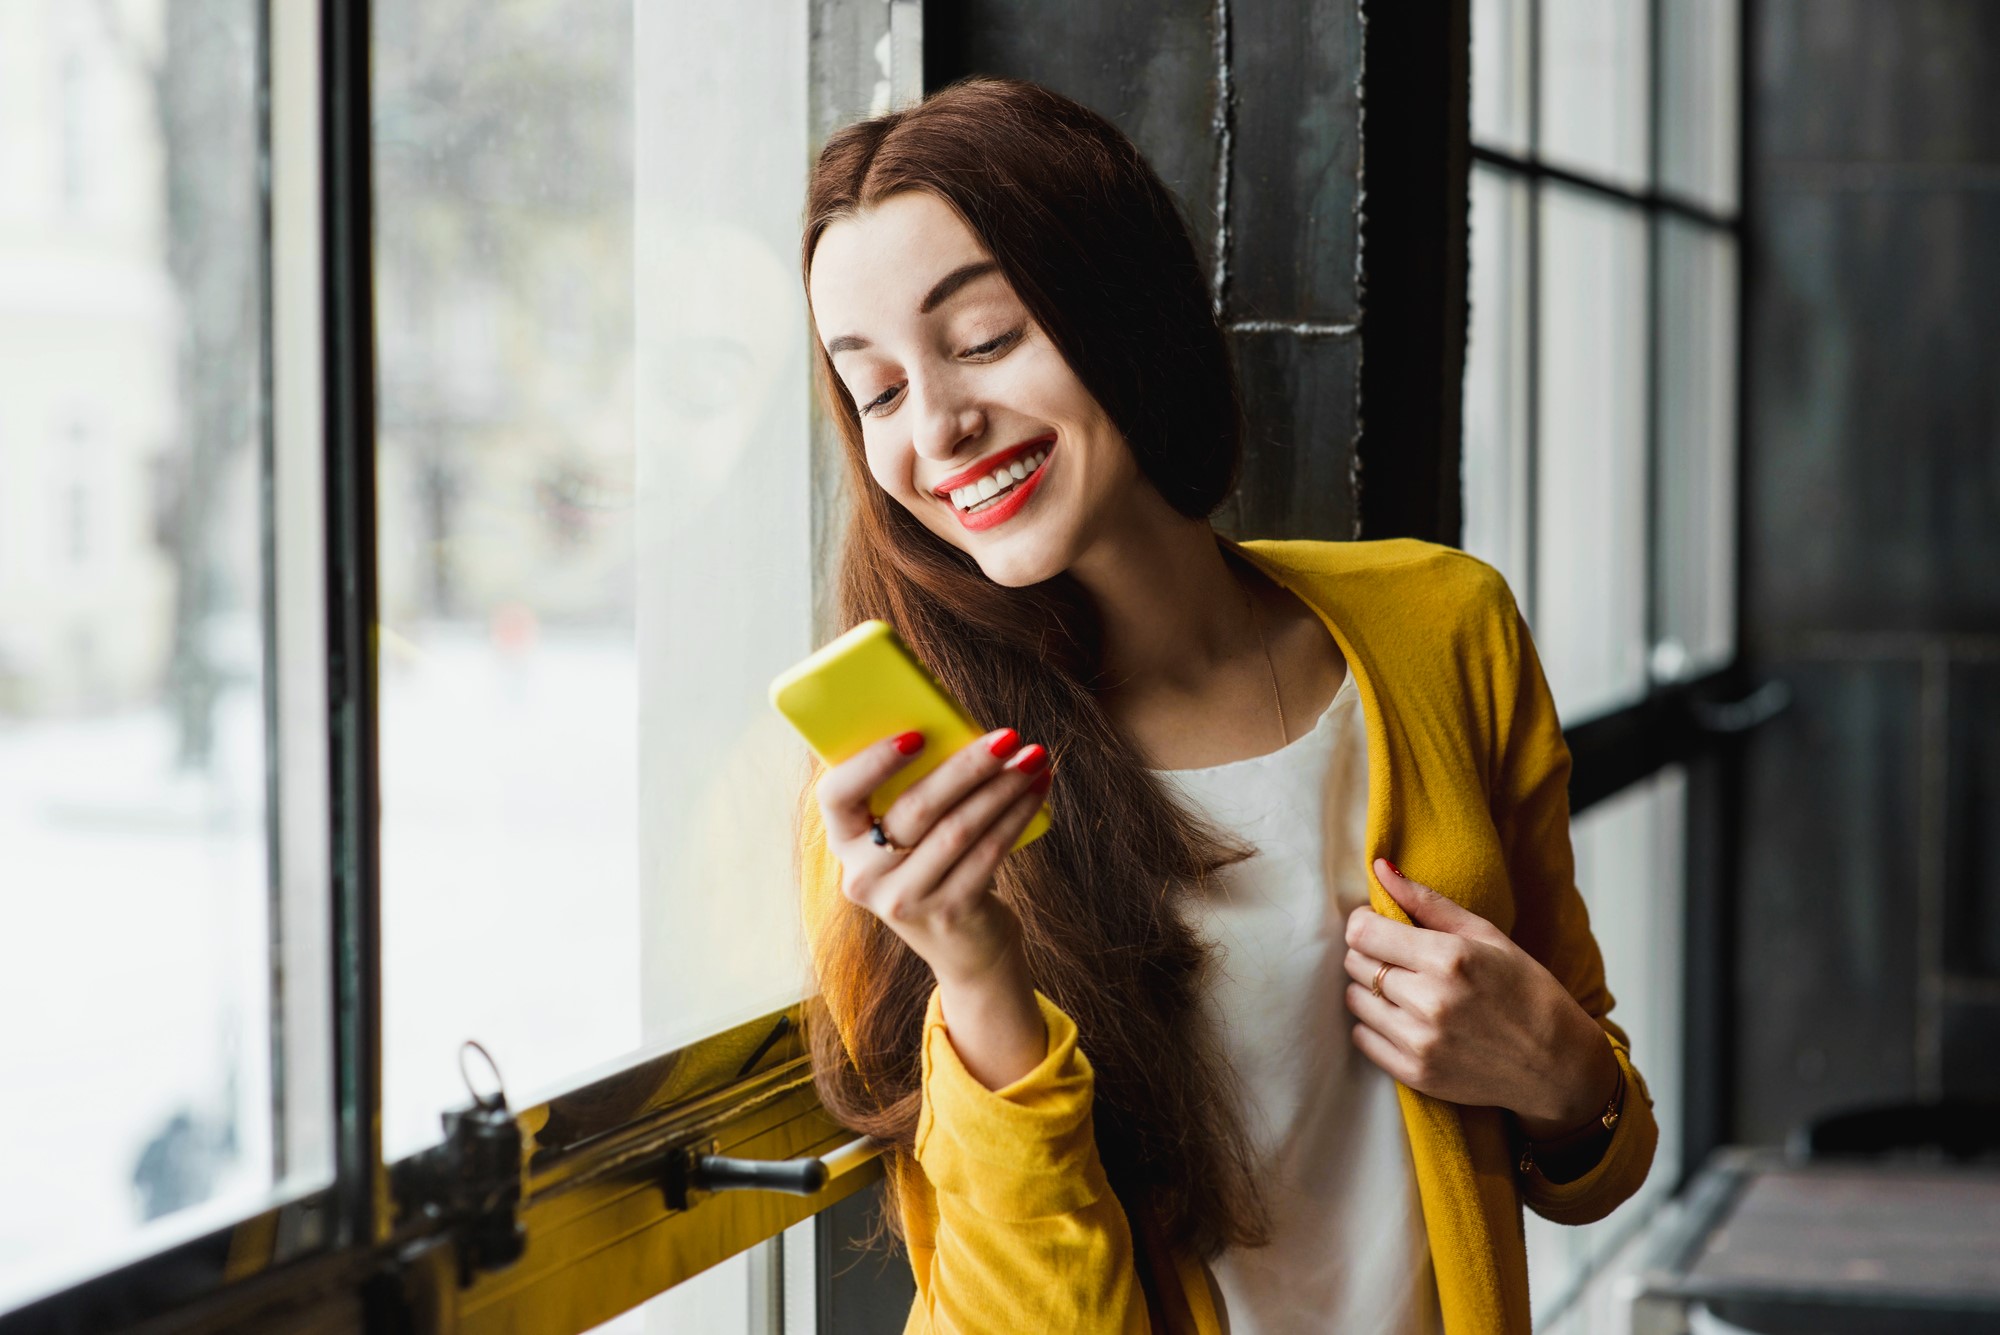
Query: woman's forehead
x=887 y=256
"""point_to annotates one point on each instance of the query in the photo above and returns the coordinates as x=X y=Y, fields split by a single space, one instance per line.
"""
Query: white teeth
x=971 y=494
x=986 y=504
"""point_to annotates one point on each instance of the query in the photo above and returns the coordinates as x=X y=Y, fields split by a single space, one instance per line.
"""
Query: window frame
x=1677 y=720
x=1698 y=722
x=602 y=1188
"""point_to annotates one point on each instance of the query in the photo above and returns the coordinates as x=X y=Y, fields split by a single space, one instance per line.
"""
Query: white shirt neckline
x=1324 y=719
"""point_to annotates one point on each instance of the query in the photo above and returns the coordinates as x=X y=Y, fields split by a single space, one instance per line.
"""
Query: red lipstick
x=988 y=464
x=1011 y=502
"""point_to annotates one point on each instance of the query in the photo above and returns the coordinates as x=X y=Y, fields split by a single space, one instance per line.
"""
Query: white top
x=1348 y=1250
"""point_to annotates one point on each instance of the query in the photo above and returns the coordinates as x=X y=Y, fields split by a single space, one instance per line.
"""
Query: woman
x=1201 y=1058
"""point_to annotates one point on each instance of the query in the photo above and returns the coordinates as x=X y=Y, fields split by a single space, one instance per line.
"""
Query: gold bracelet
x=1604 y=1121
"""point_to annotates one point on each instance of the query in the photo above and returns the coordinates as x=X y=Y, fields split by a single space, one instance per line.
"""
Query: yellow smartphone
x=867 y=685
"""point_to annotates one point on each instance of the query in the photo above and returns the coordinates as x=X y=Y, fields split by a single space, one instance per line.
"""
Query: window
x=582 y=781
x=460 y=473
x=1589 y=530
x=1631 y=870
x=1600 y=462
x=1600 y=447
x=139 y=1002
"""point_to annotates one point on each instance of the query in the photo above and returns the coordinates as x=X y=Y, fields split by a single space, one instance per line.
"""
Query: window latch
x=470 y=1186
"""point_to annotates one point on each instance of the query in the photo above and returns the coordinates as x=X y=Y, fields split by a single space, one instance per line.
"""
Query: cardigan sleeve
x=1011 y=1222
x=1028 y=1233
x=1530 y=803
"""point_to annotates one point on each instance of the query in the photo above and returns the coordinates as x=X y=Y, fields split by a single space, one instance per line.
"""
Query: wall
x=1869 y=956
x=1251 y=114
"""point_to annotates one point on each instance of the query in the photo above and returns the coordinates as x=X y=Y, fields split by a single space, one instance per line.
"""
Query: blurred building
x=89 y=330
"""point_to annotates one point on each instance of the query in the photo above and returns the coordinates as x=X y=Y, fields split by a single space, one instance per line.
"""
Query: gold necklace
x=1284 y=733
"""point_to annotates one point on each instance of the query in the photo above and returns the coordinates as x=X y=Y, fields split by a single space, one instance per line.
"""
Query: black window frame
x=1702 y=722
x=1674 y=722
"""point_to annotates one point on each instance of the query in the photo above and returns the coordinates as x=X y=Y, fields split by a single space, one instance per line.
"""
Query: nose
x=946 y=417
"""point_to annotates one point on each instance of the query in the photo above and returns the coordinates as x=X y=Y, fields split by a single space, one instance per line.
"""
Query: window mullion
x=1530 y=596
x=361 y=1187
x=1653 y=464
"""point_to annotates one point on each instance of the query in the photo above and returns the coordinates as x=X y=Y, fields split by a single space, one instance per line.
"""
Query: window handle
x=697 y=1170
x=1734 y=717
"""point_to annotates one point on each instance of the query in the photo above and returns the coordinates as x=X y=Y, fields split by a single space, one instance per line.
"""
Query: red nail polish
x=909 y=742
x=1394 y=868
x=1032 y=760
x=1042 y=781
x=1004 y=744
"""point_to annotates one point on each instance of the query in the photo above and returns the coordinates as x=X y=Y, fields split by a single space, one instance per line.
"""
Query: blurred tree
x=502 y=138
x=201 y=83
x=497 y=125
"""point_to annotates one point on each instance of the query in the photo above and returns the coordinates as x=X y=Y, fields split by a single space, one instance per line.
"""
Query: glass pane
x=1596 y=102
x=593 y=394
x=1590 y=480
x=1500 y=64
x=298 y=604
x=136 y=1082
x=1698 y=100
x=1630 y=868
x=1697 y=480
x=1496 y=380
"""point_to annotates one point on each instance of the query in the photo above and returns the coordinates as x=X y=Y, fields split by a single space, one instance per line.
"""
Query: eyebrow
x=936 y=297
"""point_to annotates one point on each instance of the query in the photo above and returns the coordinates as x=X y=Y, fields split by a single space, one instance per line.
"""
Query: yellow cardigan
x=1011 y=1224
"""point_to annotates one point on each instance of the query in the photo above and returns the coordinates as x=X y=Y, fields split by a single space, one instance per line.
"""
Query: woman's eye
x=992 y=345
x=987 y=349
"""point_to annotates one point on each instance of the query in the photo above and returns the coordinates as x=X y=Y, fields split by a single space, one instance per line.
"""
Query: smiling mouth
x=989 y=491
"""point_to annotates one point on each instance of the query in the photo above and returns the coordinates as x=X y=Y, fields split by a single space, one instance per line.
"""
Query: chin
x=1012 y=571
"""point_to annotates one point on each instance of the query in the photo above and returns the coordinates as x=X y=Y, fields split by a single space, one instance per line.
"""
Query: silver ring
x=882 y=839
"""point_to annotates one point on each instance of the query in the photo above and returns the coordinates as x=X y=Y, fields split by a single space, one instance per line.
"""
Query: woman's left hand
x=1467 y=1016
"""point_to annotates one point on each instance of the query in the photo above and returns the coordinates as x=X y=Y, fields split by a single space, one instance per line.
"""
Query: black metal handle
x=1754 y=710
x=795 y=1177
x=694 y=1171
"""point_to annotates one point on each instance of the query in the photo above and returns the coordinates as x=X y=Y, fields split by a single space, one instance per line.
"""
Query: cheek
x=1049 y=388
x=888 y=463
x=1041 y=374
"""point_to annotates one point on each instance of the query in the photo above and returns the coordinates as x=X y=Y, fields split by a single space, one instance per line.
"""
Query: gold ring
x=1376 y=987
x=882 y=839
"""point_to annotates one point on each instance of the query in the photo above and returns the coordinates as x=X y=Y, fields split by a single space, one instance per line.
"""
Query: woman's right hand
x=958 y=821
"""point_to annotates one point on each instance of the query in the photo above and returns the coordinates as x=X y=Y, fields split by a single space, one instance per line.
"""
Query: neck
x=1173 y=609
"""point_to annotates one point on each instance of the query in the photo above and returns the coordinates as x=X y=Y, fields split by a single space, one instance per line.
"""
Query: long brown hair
x=1098 y=251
